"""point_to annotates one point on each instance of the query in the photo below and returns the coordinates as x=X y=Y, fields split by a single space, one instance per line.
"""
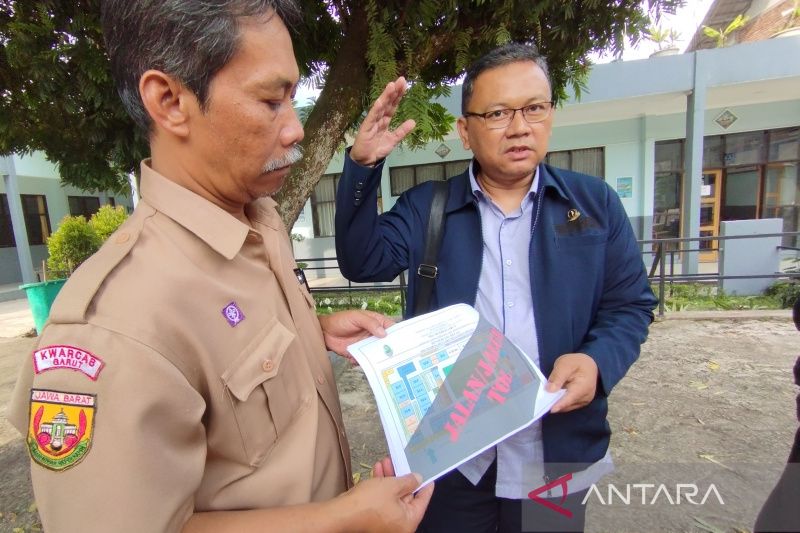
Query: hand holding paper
x=577 y=373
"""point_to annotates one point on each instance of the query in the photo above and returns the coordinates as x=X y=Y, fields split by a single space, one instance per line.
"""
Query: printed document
x=449 y=385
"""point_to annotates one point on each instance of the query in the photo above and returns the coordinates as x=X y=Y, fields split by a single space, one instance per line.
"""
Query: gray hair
x=190 y=40
x=502 y=55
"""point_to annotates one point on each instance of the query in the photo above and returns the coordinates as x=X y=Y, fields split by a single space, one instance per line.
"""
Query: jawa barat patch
x=60 y=427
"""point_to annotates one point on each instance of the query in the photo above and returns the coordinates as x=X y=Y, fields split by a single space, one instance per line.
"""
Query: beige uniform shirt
x=183 y=369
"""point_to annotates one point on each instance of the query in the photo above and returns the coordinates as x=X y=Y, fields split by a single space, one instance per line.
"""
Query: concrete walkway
x=16 y=318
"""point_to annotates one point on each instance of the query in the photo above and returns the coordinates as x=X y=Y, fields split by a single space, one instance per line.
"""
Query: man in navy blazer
x=547 y=255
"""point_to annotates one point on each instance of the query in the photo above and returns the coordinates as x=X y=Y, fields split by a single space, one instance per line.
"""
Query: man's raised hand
x=374 y=139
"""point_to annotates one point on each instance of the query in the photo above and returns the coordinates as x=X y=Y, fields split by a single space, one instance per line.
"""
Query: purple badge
x=233 y=314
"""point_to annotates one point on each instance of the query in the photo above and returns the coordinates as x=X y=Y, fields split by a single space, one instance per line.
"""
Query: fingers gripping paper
x=449 y=385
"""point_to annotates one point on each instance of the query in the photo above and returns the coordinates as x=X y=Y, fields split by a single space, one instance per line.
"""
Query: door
x=709 y=213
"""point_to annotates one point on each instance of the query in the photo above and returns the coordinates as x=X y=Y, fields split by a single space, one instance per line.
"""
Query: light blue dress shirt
x=504 y=299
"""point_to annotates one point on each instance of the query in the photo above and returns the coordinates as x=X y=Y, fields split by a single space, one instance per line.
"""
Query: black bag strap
x=427 y=269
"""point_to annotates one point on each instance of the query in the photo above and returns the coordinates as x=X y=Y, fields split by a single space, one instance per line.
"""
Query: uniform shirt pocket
x=255 y=382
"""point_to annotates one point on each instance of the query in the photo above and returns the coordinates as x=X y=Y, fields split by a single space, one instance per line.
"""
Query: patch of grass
x=702 y=297
x=678 y=297
x=386 y=302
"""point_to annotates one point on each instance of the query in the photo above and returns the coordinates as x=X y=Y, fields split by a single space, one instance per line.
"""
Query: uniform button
x=122 y=238
x=357 y=202
x=510 y=304
x=320 y=380
x=359 y=185
x=358 y=194
x=268 y=366
x=508 y=262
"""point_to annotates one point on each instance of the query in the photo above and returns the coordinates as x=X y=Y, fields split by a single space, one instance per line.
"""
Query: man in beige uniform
x=182 y=382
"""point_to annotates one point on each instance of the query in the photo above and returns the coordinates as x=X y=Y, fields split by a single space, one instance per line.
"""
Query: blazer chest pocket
x=571 y=241
x=255 y=383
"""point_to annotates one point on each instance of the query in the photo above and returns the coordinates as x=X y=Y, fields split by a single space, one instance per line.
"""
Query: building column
x=18 y=220
x=693 y=166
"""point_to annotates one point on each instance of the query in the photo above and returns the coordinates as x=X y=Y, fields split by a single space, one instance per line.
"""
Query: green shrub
x=70 y=245
x=76 y=239
x=107 y=220
x=787 y=292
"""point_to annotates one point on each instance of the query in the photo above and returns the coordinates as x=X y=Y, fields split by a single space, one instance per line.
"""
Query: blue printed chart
x=414 y=385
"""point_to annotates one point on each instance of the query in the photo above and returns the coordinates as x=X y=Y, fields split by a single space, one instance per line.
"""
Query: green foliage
x=389 y=303
x=662 y=37
x=107 y=220
x=70 y=245
x=76 y=240
x=700 y=297
x=720 y=35
x=787 y=292
x=57 y=94
x=794 y=15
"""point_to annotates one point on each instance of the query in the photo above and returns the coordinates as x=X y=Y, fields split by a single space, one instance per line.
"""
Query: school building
x=687 y=141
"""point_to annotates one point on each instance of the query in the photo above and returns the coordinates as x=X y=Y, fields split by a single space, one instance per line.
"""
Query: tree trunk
x=339 y=104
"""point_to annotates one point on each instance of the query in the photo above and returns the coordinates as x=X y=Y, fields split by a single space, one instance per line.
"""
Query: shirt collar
x=474 y=167
x=210 y=223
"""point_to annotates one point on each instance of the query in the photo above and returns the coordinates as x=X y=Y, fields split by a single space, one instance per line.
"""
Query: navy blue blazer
x=588 y=283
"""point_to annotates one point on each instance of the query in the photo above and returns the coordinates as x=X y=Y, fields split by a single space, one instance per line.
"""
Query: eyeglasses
x=501 y=118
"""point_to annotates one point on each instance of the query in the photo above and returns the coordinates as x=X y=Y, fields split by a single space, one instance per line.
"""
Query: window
x=784 y=145
x=6 y=231
x=586 y=161
x=83 y=205
x=34 y=210
x=744 y=148
x=403 y=178
x=323 y=205
x=667 y=201
x=669 y=156
x=782 y=181
x=712 y=152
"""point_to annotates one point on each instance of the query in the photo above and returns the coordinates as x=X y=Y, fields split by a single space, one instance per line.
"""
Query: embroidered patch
x=233 y=314
x=60 y=428
x=68 y=357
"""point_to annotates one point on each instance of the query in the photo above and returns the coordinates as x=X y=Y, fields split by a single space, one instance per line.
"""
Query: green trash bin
x=40 y=297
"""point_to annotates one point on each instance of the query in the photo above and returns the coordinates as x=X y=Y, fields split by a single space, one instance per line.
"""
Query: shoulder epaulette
x=77 y=294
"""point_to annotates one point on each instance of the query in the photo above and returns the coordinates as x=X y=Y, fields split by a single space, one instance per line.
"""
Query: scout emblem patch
x=67 y=357
x=232 y=314
x=60 y=427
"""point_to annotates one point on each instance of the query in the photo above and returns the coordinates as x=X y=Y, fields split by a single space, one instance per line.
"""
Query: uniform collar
x=215 y=226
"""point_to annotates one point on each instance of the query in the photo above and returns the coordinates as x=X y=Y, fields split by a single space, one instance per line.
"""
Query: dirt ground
x=710 y=402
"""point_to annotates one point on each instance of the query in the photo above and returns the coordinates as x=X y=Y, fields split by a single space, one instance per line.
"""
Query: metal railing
x=662 y=248
x=664 y=252
x=331 y=263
